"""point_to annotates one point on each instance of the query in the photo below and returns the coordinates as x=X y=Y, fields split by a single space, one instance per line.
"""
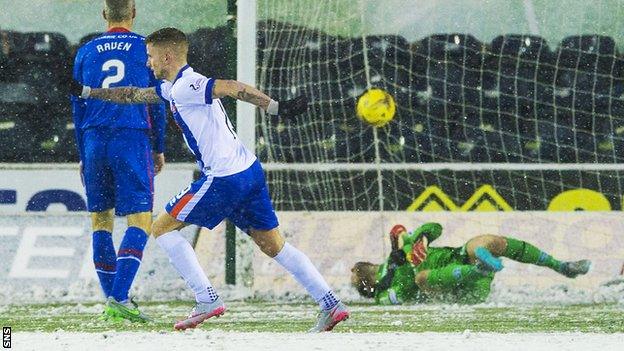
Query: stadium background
x=39 y=132
x=554 y=21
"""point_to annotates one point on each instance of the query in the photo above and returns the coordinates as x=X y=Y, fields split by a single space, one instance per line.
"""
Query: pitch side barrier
x=334 y=241
x=46 y=236
x=46 y=242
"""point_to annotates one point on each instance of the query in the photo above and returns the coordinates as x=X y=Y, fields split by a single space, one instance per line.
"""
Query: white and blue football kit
x=232 y=185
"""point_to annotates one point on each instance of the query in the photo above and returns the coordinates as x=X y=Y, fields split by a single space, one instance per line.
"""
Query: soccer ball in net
x=376 y=107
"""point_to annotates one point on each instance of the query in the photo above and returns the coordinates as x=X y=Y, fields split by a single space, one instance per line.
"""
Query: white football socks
x=304 y=272
x=183 y=258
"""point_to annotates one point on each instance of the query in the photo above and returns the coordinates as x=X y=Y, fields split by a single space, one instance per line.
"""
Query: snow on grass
x=262 y=325
x=257 y=316
x=225 y=340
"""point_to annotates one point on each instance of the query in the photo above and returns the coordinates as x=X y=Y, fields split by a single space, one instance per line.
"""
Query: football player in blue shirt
x=118 y=162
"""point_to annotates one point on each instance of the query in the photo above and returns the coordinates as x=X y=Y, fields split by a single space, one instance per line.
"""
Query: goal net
x=498 y=107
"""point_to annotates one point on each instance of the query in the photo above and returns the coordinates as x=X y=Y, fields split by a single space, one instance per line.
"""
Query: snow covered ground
x=223 y=340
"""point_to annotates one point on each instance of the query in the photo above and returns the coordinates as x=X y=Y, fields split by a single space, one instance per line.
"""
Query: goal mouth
x=530 y=115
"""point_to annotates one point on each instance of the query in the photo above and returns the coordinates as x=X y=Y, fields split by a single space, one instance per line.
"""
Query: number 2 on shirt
x=113 y=66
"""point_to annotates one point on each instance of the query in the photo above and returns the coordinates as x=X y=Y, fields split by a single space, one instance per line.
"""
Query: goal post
x=246 y=69
x=239 y=268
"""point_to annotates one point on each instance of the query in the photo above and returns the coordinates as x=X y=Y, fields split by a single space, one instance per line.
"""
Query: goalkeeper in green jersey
x=416 y=272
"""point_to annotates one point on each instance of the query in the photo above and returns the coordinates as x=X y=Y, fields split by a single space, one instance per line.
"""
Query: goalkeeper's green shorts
x=472 y=292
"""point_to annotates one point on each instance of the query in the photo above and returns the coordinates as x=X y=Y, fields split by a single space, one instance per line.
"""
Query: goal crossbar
x=451 y=166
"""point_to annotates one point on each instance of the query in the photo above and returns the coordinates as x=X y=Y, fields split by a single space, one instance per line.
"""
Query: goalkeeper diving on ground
x=416 y=272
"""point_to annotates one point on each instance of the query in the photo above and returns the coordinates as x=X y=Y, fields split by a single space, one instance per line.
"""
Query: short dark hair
x=168 y=36
x=118 y=10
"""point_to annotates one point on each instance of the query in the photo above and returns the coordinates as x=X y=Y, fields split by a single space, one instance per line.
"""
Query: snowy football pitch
x=260 y=325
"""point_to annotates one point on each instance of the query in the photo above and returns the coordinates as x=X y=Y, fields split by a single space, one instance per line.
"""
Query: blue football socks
x=128 y=262
x=104 y=259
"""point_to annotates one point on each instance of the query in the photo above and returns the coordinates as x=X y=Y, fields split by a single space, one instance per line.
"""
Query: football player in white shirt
x=233 y=184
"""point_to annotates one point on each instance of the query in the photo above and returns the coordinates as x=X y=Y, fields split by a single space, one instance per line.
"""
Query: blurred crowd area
x=35 y=112
x=517 y=98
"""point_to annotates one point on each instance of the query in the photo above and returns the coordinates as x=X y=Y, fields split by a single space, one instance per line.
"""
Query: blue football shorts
x=243 y=198
x=118 y=170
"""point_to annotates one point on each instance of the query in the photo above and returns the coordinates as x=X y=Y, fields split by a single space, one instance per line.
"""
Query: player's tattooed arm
x=240 y=91
x=126 y=95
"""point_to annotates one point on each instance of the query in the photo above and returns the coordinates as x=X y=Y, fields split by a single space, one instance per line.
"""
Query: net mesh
x=516 y=99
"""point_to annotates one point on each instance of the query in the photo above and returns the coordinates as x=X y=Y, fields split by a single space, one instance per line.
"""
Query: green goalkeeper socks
x=452 y=276
x=524 y=252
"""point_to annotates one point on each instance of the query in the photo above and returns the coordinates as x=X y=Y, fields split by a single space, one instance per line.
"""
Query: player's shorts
x=118 y=170
x=438 y=257
x=472 y=292
x=243 y=198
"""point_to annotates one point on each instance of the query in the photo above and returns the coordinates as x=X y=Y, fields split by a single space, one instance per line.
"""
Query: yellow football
x=376 y=107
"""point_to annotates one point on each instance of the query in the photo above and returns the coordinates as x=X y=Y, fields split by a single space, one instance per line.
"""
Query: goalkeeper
x=416 y=272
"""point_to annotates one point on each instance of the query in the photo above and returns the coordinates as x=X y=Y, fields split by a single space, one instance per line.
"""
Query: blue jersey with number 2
x=114 y=59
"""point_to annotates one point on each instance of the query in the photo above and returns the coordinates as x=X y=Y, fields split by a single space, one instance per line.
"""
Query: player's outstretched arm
x=247 y=93
x=123 y=95
x=126 y=95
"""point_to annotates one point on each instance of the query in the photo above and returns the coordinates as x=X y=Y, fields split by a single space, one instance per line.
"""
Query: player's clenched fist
x=293 y=107
x=77 y=89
